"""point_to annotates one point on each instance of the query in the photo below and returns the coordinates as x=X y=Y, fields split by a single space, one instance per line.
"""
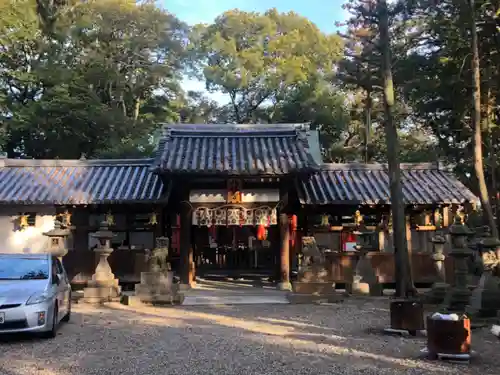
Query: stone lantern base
x=158 y=288
x=98 y=292
x=104 y=286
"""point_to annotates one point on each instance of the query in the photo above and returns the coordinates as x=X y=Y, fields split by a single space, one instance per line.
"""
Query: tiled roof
x=369 y=184
x=78 y=182
x=273 y=149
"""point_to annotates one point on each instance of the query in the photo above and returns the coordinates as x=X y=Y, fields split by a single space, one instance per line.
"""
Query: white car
x=35 y=294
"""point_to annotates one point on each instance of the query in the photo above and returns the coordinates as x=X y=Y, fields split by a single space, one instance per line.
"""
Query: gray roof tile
x=78 y=182
x=369 y=184
x=273 y=149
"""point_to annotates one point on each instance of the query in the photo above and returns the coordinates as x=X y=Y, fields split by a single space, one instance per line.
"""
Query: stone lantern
x=365 y=280
x=57 y=240
x=458 y=295
x=104 y=286
x=439 y=288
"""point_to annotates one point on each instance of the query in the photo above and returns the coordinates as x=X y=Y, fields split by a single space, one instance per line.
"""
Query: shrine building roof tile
x=224 y=149
x=355 y=183
x=79 y=182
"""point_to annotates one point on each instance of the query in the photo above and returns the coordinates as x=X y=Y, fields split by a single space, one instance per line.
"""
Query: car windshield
x=23 y=268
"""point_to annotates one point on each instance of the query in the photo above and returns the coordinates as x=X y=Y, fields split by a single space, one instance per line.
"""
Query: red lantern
x=261 y=233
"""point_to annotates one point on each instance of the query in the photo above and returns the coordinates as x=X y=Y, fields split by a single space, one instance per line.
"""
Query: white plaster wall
x=30 y=239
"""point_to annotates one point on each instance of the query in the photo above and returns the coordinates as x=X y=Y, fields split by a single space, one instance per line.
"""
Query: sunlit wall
x=30 y=239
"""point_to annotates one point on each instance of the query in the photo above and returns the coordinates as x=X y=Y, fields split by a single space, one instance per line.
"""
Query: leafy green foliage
x=100 y=77
x=81 y=78
x=257 y=58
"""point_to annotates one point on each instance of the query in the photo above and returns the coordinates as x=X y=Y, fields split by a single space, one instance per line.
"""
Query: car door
x=59 y=288
x=65 y=286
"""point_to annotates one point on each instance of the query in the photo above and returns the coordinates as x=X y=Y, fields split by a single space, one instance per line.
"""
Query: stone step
x=234 y=300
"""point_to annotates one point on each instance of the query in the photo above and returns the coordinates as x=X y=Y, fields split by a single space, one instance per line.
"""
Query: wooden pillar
x=186 y=248
x=284 y=280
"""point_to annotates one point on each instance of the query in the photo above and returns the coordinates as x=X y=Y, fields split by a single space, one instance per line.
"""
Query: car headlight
x=38 y=298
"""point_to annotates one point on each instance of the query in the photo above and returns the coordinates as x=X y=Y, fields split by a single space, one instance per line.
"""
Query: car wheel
x=55 y=324
x=67 y=317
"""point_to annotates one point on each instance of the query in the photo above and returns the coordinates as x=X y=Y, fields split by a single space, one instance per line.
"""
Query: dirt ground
x=268 y=339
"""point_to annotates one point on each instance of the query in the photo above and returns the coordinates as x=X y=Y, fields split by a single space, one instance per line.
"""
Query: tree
x=404 y=287
x=358 y=70
x=198 y=109
x=258 y=58
x=326 y=109
x=438 y=86
x=373 y=21
x=476 y=123
x=88 y=76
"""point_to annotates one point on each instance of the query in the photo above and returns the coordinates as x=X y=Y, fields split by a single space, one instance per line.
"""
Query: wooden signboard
x=234 y=191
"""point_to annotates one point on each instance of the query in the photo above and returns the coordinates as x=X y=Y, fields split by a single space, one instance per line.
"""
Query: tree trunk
x=137 y=108
x=404 y=282
x=489 y=104
x=368 y=124
x=476 y=123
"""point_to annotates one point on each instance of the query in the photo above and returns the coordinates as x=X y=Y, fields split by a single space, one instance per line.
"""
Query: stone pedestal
x=285 y=286
x=485 y=298
x=103 y=287
x=313 y=283
x=158 y=288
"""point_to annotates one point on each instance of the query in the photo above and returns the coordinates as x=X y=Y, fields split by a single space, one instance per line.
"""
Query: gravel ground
x=243 y=339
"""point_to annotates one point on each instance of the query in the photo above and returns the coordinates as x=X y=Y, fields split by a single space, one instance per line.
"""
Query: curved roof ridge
x=74 y=162
x=378 y=166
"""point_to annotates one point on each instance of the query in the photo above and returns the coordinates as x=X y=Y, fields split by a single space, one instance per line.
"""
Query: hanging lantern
x=261 y=233
x=325 y=220
x=66 y=218
x=23 y=221
x=109 y=219
x=153 y=219
x=358 y=218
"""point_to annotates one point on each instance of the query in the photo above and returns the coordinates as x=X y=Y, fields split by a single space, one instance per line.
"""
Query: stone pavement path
x=232 y=293
x=240 y=339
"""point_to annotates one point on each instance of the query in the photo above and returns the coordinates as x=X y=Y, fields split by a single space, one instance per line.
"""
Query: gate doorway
x=235 y=252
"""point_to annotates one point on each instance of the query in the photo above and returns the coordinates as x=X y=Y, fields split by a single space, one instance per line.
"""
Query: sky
x=324 y=13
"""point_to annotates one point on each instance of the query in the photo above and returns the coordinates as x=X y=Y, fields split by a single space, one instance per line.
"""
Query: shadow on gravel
x=332 y=345
x=224 y=340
